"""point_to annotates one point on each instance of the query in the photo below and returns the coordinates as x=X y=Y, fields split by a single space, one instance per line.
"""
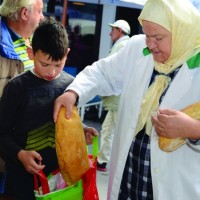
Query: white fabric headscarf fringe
x=182 y=19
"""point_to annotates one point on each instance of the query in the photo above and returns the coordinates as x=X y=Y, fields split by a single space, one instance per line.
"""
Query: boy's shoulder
x=21 y=76
x=67 y=76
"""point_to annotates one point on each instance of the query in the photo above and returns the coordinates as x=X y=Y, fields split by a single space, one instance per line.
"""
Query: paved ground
x=102 y=177
x=102 y=184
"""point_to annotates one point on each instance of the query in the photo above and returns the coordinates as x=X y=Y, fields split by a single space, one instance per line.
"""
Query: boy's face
x=44 y=67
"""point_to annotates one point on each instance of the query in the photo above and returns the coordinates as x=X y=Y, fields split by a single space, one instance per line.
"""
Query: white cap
x=122 y=24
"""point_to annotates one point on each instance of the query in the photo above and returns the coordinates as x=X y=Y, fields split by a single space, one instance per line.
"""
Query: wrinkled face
x=34 y=17
x=115 y=34
x=158 y=40
x=45 y=68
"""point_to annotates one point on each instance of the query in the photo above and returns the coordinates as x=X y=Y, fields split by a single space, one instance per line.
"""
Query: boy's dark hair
x=51 y=38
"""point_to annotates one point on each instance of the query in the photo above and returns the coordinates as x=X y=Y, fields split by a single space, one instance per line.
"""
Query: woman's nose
x=151 y=43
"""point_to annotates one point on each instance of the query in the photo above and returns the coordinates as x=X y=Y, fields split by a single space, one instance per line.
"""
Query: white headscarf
x=182 y=19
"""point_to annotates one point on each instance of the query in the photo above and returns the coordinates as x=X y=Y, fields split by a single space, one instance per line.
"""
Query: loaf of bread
x=71 y=146
x=169 y=144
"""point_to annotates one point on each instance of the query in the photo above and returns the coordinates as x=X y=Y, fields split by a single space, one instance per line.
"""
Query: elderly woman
x=158 y=69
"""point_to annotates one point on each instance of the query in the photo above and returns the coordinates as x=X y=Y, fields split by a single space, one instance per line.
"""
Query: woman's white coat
x=175 y=175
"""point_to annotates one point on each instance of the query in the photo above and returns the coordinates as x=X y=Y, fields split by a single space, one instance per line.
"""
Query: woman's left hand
x=173 y=124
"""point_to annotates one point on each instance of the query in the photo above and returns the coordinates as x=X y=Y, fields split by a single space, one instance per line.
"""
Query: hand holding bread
x=169 y=144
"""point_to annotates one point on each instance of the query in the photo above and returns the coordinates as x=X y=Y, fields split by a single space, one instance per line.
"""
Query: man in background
x=119 y=36
x=18 y=20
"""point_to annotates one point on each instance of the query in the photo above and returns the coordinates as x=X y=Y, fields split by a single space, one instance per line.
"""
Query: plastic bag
x=50 y=187
x=89 y=178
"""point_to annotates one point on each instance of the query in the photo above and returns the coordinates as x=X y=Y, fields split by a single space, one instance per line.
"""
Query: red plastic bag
x=90 y=191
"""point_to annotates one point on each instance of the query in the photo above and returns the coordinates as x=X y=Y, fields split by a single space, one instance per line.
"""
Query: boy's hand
x=89 y=134
x=28 y=159
x=68 y=100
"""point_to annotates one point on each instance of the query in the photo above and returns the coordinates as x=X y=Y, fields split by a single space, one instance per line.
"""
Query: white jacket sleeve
x=104 y=77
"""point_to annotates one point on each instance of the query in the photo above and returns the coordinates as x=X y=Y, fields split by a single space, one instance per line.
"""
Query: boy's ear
x=30 y=53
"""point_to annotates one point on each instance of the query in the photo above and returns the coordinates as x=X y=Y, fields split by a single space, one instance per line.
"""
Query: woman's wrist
x=75 y=95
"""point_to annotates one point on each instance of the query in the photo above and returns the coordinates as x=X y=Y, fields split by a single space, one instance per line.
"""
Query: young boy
x=27 y=134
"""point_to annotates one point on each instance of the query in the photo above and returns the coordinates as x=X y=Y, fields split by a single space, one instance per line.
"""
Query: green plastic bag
x=73 y=192
x=85 y=189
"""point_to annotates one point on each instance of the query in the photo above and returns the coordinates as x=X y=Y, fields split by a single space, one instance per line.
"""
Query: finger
x=57 y=107
x=153 y=119
x=69 y=111
x=162 y=118
x=31 y=169
x=158 y=126
x=35 y=167
x=92 y=132
x=156 y=120
x=160 y=131
x=96 y=133
x=35 y=170
x=37 y=156
x=167 y=111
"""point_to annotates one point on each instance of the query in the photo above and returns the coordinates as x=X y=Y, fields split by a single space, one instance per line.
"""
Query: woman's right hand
x=68 y=100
